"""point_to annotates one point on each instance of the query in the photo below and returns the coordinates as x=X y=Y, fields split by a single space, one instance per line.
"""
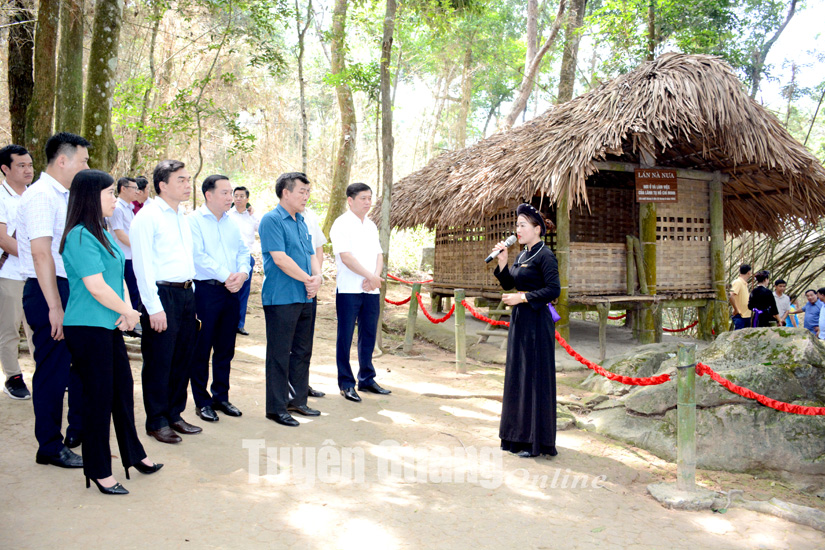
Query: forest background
x=254 y=88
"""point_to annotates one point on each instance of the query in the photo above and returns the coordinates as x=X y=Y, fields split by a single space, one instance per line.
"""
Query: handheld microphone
x=511 y=240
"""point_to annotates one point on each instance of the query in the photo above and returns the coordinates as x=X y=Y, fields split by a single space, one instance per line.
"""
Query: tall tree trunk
x=388 y=146
x=466 y=96
x=759 y=55
x=302 y=31
x=40 y=112
x=651 y=30
x=531 y=69
x=68 y=109
x=100 y=84
x=21 y=66
x=346 y=149
x=567 y=75
x=134 y=160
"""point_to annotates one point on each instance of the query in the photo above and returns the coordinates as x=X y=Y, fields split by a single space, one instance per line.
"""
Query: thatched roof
x=690 y=110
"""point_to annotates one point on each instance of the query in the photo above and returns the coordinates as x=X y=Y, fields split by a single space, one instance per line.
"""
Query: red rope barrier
x=394 y=278
x=401 y=303
x=481 y=317
x=430 y=317
x=702 y=369
x=690 y=326
x=629 y=380
x=618 y=317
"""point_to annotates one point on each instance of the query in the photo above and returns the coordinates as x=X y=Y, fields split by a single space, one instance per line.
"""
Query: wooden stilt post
x=647 y=233
x=686 y=416
x=604 y=310
x=409 y=335
x=717 y=255
x=460 y=333
x=563 y=256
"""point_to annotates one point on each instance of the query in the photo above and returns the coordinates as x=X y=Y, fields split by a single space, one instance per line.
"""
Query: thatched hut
x=736 y=169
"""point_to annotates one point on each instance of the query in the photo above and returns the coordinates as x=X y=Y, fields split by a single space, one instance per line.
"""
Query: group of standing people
x=761 y=307
x=80 y=267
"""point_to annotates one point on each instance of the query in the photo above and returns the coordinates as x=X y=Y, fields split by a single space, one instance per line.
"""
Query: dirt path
x=209 y=496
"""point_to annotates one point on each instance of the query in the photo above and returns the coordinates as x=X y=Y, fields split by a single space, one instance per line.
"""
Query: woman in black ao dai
x=528 y=414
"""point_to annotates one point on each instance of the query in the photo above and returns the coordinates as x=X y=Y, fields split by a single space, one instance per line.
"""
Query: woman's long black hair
x=85 y=207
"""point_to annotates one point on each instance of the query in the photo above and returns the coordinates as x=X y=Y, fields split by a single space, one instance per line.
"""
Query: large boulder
x=733 y=433
x=646 y=361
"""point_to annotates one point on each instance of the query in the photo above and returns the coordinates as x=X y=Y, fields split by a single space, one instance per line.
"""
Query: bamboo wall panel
x=683 y=240
x=611 y=217
x=597 y=268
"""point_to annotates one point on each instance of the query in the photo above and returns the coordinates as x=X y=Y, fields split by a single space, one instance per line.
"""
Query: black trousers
x=361 y=309
x=131 y=284
x=100 y=358
x=218 y=311
x=288 y=352
x=167 y=357
x=52 y=373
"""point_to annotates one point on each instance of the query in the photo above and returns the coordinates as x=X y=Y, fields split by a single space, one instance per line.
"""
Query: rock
x=733 y=433
x=668 y=495
x=645 y=362
x=564 y=424
x=594 y=400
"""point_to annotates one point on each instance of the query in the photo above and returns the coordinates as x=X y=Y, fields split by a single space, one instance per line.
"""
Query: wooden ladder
x=496 y=313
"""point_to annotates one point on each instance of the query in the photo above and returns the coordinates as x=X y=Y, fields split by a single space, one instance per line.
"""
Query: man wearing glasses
x=119 y=224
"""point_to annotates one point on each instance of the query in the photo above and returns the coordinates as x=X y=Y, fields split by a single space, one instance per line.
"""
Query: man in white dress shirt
x=221 y=268
x=120 y=223
x=248 y=223
x=16 y=164
x=41 y=219
x=359 y=259
x=162 y=255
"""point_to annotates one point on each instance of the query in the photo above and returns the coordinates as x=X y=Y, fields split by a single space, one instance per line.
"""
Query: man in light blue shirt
x=292 y=279
x=811 y=311
x=221 y=268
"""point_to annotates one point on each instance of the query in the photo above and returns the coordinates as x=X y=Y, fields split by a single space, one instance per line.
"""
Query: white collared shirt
x=161 y=250
x=9 y=201
x=311 y=219
x=248 y=224
x=218 y=247
x=122 y=219
x=350 y=234
x=41 y=213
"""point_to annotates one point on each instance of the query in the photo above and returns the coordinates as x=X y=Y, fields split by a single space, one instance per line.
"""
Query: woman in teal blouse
x=96 y=315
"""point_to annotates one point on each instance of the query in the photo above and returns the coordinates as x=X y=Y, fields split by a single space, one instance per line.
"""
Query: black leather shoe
x=143 y=468
x=116 y=489
x=226 y=408
x=283 y=418
x=242 y=332
x=184 y=427
x=206 y=413
x=303 y=409
x=314 y=393
x=72 y=441
x=165 y=435
x=351 y=395
x=66 y=459
x=375 y=388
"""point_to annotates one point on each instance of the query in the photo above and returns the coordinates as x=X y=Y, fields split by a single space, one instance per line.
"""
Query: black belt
x=214 y=282
x=185 y=284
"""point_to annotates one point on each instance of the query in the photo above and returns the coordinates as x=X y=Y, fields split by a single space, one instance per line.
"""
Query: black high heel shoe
x=116 y=489
x=143 y=468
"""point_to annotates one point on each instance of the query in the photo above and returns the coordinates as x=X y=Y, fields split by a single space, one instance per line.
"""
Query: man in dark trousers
x=162 y=257
x=360 y=261
x=41 y=219
x=292 y=279
x=221 y=268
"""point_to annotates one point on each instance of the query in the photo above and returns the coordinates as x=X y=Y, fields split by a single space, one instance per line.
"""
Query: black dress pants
x=167 y=357
x=52 y=373
x=288 y=352
x=100 y=358
x=219 y=312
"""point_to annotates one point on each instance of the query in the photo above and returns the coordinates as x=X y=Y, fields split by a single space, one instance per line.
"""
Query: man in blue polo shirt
x=291 y=280
x=811 y=310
